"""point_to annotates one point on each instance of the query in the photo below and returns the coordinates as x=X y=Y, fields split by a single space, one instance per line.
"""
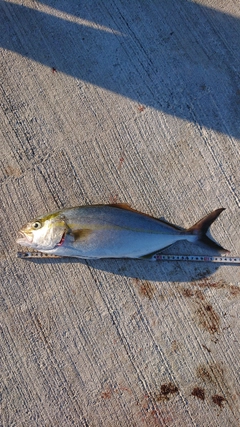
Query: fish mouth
x=24 y=238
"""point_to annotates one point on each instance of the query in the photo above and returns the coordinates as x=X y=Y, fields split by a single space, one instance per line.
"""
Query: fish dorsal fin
x=125 y=206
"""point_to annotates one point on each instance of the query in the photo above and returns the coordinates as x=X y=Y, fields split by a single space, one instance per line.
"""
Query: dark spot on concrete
x=12 y=171
x=200 y=295
x=188 y=293
x=166 y=391
x=206 y=315
x=218 y=285
x=198 y=392
x=153 y=415
x=136 y=281
x=218 y=400
x=107 y=393
x=206 y=282
x=141 y=108
x=168 y=388
x=234 y=290
x=212 y=374
x=145 y=288
x=208 y=318
x=205 y=373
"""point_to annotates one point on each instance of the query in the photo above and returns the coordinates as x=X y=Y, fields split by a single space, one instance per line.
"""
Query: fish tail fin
x=201 y=228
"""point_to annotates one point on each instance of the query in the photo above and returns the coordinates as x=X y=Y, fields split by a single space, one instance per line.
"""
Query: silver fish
x=109 y=231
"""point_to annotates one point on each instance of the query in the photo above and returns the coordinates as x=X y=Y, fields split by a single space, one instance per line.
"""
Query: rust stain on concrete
x=198 y=392
x=166 y=391
x=218 y=400
x=145 y=288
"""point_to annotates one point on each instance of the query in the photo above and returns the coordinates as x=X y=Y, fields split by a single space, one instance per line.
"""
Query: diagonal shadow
x=179 y=57
x=162 y=271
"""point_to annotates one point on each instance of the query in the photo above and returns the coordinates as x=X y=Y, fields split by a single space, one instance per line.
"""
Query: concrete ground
x=120 y=101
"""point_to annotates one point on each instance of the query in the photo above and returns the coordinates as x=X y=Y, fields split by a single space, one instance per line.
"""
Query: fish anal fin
x=81 y=234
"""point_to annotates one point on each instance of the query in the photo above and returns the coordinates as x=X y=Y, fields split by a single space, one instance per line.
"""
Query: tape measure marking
x=156 y=257
x=203 y=258
x=30 y=255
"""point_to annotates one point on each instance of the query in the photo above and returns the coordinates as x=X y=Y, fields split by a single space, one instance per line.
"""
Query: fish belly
x=117 y=244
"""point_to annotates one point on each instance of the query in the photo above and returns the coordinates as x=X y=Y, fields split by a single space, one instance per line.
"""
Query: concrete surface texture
x=120 y=101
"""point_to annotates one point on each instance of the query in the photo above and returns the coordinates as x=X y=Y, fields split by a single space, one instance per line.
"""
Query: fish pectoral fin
x=81 y=234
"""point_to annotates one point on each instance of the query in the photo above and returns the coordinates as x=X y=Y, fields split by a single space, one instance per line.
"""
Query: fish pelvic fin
x=201 y=228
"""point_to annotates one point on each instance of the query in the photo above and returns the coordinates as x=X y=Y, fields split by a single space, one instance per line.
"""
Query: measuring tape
x=156 y=257
x=198 y=258
x=31 y=255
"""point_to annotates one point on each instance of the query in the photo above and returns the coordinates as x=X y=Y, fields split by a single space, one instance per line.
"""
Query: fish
x=109 y=231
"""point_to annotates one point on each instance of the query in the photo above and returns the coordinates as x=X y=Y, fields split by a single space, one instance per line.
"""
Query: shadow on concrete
x=178 y=57
x=162 y=271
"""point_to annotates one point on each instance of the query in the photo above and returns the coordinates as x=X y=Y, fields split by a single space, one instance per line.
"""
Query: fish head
x=44 y=233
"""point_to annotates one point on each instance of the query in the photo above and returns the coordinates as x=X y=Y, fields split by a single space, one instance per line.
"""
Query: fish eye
x=37 y=225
